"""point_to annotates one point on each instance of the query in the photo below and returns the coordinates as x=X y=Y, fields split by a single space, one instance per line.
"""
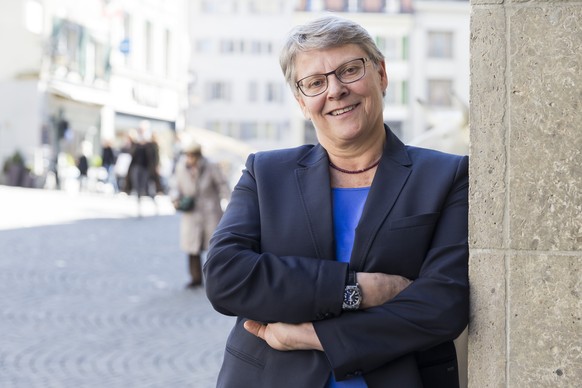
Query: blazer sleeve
x=432 y=310
x=243 y=280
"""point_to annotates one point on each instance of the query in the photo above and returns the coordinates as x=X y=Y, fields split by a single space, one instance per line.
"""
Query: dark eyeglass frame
x=334 y=72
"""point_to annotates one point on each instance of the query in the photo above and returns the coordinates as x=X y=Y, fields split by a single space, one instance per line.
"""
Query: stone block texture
x=545 y=323
x=488 y=122
x=546 y=127
x=526 y=194
x=487 y=328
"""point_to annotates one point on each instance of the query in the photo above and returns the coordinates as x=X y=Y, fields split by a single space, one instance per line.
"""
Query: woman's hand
x=378 y=288
x=286 y=336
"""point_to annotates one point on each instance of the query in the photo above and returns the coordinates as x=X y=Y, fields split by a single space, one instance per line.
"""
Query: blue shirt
x=348 y=204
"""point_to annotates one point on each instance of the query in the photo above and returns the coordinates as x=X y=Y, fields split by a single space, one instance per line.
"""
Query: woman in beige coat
x=197 y=177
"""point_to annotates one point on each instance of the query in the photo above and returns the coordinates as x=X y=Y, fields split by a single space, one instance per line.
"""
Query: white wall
x=20 y=112
x=21 y=49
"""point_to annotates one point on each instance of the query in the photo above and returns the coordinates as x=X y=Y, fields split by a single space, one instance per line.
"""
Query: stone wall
x=526 y=194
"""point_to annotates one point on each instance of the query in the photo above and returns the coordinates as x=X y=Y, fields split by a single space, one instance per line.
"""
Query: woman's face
x=344 y=113
x=191 y=159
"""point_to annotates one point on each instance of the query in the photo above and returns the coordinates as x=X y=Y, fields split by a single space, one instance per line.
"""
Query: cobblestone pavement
x=93 y=296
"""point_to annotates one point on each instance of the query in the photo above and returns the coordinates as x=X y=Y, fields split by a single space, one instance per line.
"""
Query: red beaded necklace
x=354 y=171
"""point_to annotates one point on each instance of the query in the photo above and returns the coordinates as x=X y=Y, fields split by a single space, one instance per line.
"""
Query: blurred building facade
x=237 y=88
x=82 y=72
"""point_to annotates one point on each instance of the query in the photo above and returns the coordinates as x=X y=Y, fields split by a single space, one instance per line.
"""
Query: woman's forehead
x=324 y=60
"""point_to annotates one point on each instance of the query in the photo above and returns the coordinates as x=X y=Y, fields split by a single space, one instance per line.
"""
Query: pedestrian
x=143 y=162
x=345 y=262
x=108 y=160
x=153 y=150
x=123 y=162
x=203 y=185
x=83 y=166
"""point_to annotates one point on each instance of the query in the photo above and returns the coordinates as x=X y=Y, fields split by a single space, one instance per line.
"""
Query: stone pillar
x=526 y=194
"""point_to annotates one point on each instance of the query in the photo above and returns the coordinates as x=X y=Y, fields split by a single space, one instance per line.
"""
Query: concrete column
x=526 y=194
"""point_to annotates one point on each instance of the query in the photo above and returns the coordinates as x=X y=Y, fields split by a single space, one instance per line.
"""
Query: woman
x=203 y=181
x=346 y=261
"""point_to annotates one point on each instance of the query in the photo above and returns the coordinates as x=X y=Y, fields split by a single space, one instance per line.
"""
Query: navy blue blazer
x=271 y=259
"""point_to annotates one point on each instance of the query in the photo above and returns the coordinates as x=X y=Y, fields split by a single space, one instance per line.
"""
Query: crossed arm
x=431 y=311
x=377 y=289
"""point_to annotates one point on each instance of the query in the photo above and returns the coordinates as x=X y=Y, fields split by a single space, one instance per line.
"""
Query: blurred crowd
x=132 y=165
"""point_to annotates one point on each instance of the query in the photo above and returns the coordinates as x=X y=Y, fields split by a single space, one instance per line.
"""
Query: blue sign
x=125 y=46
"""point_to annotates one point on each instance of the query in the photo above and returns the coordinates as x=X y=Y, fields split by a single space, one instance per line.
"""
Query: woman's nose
x=335 y=88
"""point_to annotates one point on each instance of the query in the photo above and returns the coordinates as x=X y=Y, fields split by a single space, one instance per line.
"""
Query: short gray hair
x=329 y=31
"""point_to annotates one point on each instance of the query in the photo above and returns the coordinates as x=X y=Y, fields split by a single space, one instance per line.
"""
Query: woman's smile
x=341 y=111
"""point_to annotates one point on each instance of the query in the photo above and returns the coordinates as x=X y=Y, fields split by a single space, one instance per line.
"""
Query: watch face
x=352 y=298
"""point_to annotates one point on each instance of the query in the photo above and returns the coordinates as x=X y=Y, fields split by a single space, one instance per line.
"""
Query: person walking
x=83 y=166
x=153 y=149
x=345 y=262
x=108 y=159
x=200 y=189
x=144 y=160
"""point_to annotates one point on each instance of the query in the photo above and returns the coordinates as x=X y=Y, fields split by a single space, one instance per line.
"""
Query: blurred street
x=93 y=296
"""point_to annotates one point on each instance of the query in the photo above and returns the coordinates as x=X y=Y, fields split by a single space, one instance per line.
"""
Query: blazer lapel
x=314 y=184
x=391 y=176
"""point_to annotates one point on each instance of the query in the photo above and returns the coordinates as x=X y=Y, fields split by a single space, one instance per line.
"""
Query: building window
x=275 y=92
x=273 y=130
x=97 y=67
x=388 y=46
x=167 y=55
x=67 y=41
x=266 y=7
x=268 y=47
x=248 y=130
x=440 y=92
x=253 y=91
x=373 y=5
x=397 y=93
x=125 y=44
x=204 y=46
x=303 y=5
x=239 y=46
x=214 y=126
x=148 y=46
x=219 y=7
x=406 y=6
x=405 y=48
x=404 y=93
x=218 y=91
x=440 y=44
x=336 y=5
x=393 y=47
x=226 y=46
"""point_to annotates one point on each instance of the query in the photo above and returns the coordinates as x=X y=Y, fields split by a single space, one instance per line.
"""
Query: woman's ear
x=383 y=76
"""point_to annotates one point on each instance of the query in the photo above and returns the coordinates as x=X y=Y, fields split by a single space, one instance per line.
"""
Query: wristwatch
x=352 y=293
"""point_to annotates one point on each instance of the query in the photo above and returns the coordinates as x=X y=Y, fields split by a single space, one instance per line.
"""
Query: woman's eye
x=315 y=83
x=350 y=70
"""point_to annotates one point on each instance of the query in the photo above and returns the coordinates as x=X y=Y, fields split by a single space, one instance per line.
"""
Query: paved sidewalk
x=93 y=296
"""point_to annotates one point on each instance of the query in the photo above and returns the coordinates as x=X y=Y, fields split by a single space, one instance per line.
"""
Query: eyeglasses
x=347 y=73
